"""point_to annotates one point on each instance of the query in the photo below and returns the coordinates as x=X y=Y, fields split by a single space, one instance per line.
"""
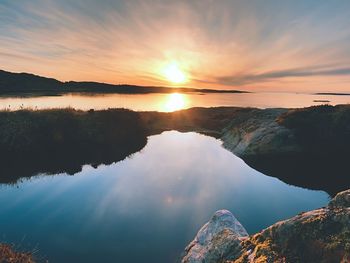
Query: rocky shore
x=305 y=147
x=318 y=236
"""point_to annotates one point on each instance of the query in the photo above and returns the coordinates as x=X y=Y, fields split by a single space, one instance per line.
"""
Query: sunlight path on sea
x=170 y=102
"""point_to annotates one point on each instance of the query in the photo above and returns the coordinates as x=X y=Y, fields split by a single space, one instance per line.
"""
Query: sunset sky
x=257 y=45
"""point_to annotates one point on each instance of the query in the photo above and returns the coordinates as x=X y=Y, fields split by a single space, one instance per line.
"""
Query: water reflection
x=170 y=102
x=174 y=102
x=147 y=206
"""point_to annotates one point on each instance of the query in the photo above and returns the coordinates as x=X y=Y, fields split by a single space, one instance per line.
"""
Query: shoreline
x=282 y=143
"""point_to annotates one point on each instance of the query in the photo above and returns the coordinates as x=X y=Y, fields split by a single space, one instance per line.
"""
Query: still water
x=171 y=102
x=147 y=207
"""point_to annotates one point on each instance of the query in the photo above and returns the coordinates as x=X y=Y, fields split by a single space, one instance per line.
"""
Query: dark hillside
x=23 y=82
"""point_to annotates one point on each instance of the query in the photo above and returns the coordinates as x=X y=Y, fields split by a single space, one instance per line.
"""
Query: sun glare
x=175 y=101
x=174 y=73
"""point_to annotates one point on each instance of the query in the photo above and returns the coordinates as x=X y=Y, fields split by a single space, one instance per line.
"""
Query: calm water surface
x=171 y=102
x=147 y=207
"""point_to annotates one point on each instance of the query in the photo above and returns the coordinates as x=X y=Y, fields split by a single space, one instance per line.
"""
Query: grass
x=54 y=141
x=320 y=127
x=62 y=140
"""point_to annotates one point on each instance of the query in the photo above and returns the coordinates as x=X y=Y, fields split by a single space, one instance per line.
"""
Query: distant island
x=324 y=101
x=333 y=93
x=19 y=83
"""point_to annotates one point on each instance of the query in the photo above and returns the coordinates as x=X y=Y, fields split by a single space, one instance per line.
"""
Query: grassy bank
x=55 y=141
x=62 y=140
x=323 y=134
x=321 y=128
x=305 y=147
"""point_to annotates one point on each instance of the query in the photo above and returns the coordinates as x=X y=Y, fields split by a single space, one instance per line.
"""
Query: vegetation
x=62 y=140
x=320 y=127
x=321 y=136
x=57 y=141
x=54 y=141
x=8 y=255
x=317 y=236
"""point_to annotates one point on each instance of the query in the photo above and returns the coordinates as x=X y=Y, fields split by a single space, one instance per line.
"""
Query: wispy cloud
x=243 y=79
x=220 y=43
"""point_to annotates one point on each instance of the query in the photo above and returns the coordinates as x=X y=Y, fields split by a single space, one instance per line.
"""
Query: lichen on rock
x=342 y=199
x=217 y=239
x=318 y=236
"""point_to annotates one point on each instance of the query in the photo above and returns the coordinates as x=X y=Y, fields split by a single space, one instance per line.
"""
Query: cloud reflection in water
x=153 y=202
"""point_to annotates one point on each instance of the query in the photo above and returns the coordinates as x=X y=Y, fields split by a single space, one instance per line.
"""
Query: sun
x=173 y=73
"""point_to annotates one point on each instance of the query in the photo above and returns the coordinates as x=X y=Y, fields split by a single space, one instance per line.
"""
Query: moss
x=319 y=237
x=320 y=126
x=9 y=255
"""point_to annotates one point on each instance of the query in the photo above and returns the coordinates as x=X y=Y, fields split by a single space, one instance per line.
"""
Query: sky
x=254 y=45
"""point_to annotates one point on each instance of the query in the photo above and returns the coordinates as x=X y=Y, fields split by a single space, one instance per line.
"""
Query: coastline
x=286 y=144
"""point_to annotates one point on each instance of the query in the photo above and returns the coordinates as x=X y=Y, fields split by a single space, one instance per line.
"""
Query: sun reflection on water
x=174 y=102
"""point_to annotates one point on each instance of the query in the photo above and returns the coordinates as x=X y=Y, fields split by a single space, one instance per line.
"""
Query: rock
x=293 y=145
x=217 y=239
x=257 y=132
x=342 y=199
x=318 y=236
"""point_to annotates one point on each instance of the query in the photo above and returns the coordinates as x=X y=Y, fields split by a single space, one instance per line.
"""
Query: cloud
x=243 y=79
x=219 y=43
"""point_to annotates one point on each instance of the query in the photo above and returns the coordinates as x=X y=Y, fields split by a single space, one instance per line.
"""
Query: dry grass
x=8 y=255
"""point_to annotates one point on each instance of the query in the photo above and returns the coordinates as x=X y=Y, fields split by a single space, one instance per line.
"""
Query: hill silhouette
x=14 y=83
